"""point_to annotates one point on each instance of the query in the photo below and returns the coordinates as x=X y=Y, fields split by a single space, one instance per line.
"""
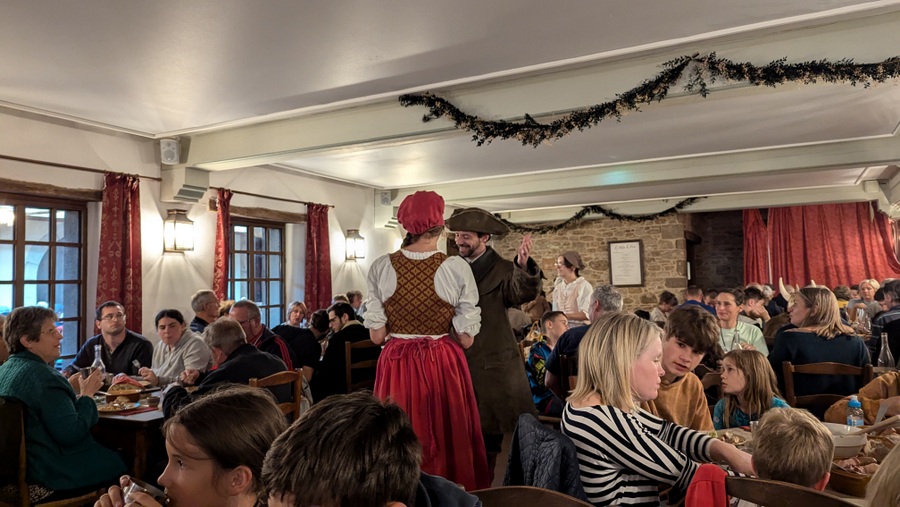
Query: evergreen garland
x=698 y=71
x=577 y=218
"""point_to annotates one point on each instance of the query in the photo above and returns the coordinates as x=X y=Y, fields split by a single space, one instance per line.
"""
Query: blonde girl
x=623 y=451
x=749 y=388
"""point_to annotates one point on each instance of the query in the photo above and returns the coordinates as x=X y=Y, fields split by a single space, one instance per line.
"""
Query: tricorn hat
x=476 y=220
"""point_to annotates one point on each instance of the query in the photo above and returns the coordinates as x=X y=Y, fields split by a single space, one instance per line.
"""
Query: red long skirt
x=429 y=379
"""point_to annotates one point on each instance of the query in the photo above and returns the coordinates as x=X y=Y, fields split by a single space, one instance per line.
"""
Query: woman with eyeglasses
x=63 y=459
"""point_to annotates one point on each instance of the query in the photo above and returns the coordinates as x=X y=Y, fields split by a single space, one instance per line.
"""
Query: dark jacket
x=803 y=347
x=198 y=325
x=543 y=458
x=275 y=345
x=134 y=346
x=245 y=363
x=331 y=377
x=433 y=491
x=498 y=372
x=303 y=343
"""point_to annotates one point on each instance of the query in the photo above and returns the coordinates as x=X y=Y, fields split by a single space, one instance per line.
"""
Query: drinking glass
x=138 y=486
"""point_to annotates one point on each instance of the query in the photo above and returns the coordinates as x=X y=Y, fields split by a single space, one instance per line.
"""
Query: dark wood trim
x=274 y=217
x=693 y=237
x=51 y=191
x=68 y=166
x=270 y=197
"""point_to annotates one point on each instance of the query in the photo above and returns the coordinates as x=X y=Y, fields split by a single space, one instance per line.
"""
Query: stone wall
x=664 y=254
x=719 y=258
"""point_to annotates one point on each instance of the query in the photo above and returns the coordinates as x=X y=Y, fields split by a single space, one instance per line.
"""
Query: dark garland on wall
x=698 y=71
x=578 y=218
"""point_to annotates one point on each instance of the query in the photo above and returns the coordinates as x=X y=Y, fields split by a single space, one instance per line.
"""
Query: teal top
x=739 y=417
x=61 y=453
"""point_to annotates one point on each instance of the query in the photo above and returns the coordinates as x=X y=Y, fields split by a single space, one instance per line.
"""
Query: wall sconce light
x=178 y=232
x=356 y=245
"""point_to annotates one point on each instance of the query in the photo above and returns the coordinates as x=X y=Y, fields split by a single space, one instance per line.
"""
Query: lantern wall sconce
x=178 y=232
x=356 y=245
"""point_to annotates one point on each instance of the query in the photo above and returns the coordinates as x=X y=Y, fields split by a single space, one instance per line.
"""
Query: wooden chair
x=526 y=495
x=279 y=379
x=822 y=400
x=367 y=364
x=13 y=460
x=568 y=373
x=779 y=494
x=524 y=345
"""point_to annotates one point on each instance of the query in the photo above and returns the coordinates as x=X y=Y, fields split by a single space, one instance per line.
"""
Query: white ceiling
x=313 y=87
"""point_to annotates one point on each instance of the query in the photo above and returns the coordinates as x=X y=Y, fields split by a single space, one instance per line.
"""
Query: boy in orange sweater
x=691 y=333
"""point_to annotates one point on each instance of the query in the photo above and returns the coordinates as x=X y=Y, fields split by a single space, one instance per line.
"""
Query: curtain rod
x=283 y=199
x=69 y=166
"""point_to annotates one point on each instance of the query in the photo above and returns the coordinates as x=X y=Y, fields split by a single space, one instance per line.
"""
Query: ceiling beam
x=844 y=154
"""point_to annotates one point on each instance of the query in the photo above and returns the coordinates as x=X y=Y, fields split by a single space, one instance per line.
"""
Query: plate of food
x=742 y=439
x=852 y=475
x=119 y=404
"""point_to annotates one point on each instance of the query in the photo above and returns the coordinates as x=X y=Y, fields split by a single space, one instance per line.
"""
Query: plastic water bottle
x=855 y=415
x=58 y=365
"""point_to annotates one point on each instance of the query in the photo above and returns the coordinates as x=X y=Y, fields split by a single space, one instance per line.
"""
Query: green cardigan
x=62 y=454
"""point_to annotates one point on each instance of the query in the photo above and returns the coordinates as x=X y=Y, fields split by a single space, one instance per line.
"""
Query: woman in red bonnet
x=423 y=304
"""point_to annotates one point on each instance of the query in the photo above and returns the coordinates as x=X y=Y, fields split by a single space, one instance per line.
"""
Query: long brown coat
x=498 y=373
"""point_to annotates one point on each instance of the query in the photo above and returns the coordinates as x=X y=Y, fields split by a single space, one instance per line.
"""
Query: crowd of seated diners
x=636 y=422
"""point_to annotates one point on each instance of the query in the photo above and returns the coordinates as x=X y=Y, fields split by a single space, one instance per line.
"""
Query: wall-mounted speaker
x=169 y=151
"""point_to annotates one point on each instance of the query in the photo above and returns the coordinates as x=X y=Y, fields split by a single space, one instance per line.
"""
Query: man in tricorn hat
x=498 y=373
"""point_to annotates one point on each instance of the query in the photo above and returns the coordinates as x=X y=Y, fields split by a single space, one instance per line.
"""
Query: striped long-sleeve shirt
x=624 y=456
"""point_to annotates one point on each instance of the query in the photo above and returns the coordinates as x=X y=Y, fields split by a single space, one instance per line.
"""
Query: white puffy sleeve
x=584 y=296
x=455 y=284
x=380 y=284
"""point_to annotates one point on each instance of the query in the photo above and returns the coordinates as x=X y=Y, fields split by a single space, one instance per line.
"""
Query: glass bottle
x=736 y=342
x=885 y=358
x=855 y=415
x=98 y=360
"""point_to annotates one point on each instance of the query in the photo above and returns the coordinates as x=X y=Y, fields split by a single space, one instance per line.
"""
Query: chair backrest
x=366 y=364
x=295 y=377
x=524 y=346
x=12 y=447
x=821 y=400
x=525 y=495
x=568 y=372
x=779 y=494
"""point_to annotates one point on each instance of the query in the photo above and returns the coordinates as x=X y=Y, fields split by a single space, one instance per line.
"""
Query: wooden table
x=134 y=434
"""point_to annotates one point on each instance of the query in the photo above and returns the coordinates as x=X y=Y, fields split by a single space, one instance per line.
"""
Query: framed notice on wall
x=626 y=263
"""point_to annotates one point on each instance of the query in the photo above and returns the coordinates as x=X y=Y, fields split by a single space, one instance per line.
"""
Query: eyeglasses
x=51 y=331
x=113 y=316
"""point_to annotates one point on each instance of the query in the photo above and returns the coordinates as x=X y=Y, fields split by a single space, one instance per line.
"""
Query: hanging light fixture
x=178 y=232
x=356 y=245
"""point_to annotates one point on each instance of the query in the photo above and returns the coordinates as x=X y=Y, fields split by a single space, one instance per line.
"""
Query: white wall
x=170 y=279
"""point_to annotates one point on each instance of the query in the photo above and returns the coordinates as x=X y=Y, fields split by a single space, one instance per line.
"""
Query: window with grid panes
x=42 y=262
x=256 y=271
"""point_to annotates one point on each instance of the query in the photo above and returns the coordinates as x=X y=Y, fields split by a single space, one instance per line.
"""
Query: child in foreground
x=789 y=445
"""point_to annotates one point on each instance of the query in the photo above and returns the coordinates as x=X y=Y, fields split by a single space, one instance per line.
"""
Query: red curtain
x=119 y=267
x=223 y=249
x=756 y=248
x=318 y=258
x=833 y=244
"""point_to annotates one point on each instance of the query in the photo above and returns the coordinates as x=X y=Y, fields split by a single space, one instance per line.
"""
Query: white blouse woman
x=571 y=292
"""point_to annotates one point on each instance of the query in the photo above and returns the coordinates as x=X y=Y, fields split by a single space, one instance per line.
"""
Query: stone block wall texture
x=663 y=249
x=719 y=258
